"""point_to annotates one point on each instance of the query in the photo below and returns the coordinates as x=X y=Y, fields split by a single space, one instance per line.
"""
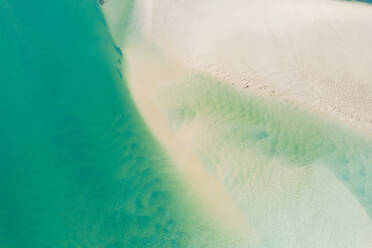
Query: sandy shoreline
x=309 y=52
x=216 y=202
x=244 y=186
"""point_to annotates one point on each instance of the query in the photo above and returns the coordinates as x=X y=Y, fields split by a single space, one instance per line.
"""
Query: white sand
x=312 y=52
x=147 y=72
x=249 y=195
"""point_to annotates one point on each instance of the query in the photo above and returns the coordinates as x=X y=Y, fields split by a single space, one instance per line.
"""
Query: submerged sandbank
x=311 y=52
x=272 y=166
x=269 y=171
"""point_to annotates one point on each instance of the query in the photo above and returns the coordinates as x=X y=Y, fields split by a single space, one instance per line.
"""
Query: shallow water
x=273 y=128
x=298 y=179
x=79 y=168
x=294 y=177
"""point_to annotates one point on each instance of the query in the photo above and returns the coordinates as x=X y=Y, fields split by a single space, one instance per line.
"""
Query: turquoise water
x=78 y=166
x=365 y=1
x=273 y=128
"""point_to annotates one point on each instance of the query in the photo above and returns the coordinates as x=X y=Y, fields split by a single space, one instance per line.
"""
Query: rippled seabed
x=79 y=167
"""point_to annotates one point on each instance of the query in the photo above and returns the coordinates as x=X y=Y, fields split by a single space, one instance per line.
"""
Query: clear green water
x=273 y=128
x=78 y=167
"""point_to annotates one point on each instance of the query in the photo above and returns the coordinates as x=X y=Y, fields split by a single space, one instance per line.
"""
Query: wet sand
x=312 y=53
x=263 y=111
